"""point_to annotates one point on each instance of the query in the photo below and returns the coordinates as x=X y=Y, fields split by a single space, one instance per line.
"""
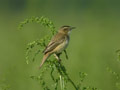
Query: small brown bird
x=57 y=44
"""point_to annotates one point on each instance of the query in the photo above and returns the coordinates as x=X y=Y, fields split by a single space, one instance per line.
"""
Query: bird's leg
x=66 y=54
x=57 y=56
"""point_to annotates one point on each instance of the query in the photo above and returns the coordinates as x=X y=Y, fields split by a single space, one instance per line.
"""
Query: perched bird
x=57 y=44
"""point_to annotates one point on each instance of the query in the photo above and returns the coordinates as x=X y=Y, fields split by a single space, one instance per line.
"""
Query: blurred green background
x=91 y=49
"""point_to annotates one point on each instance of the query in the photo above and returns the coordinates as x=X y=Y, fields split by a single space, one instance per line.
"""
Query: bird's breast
x=62 y=46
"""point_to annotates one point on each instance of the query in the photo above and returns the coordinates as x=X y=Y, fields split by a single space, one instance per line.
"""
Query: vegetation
x=115 y=74
x=57 y=71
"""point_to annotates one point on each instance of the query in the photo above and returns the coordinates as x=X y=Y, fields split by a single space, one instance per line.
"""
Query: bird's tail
x=45 y=57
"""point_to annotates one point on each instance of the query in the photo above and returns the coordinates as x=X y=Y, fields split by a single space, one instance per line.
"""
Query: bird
x=57 y=44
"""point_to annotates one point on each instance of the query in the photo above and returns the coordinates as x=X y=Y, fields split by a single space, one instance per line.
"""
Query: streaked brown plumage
x=57 y=44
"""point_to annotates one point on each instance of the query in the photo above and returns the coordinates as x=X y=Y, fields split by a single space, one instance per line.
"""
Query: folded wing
x=57 y=39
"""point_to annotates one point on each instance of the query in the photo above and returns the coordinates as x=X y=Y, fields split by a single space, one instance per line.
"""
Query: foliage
x=58 y=72
x=118 y=54
x=39 y=42
x=117 y=75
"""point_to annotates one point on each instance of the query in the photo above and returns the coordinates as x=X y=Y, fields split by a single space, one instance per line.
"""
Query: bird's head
x=66 y=29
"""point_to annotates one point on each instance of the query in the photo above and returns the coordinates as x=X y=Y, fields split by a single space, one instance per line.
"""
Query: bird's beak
x=73 y=28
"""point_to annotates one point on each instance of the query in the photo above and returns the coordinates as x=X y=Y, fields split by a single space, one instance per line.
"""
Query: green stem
x=62 y=71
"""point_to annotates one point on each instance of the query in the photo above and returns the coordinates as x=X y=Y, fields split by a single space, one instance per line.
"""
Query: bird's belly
x=61 y=47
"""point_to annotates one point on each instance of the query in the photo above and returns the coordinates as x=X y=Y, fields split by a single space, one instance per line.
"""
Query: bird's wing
x=57 y=39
